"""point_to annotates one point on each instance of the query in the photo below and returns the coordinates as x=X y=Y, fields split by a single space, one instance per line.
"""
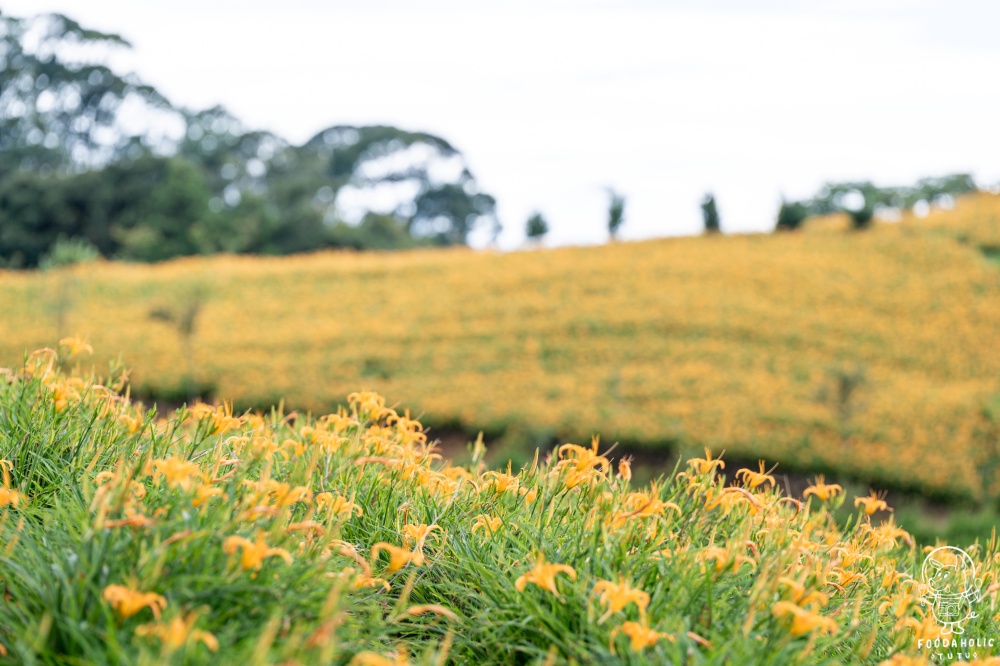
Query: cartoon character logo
x=950 y=575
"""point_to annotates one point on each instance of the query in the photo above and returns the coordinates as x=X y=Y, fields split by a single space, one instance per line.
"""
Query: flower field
x=867 y=354
x=211 y=536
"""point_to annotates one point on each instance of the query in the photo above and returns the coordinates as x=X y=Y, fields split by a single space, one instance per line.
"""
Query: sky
x=554 y=101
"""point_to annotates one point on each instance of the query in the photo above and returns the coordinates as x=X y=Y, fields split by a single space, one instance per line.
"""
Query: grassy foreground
x=210 y=537
x=867 y=354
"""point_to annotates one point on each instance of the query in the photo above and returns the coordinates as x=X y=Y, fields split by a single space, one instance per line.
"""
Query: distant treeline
x=70 y=173
x=862 y=200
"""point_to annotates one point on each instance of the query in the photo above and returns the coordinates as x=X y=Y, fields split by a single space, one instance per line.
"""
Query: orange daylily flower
x=640 y=636
x=872 y=503
x=398 y=557
x=754 y=479
x=821 y=490
x=178 y=632
x=489 y=523
x=804 y=621
x=707 y=464
x=254 y=552
x=616 y=596
x=544 y=575
x=127 y=601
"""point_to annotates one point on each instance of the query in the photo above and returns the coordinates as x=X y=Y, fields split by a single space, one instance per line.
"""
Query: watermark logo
x=952 y=589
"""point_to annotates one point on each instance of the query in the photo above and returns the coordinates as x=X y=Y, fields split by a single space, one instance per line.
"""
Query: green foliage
x=375 y=232
x=149 y=209
x=616 y=212
x=536 y=227
x=710 y=214
x=791 y=215
x=70 y=170
x=862 y=200
x=60 y=113
x=68 y=252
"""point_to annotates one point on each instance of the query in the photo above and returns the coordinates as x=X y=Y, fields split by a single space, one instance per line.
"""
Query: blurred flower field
x=209 y=536
x=870 y=354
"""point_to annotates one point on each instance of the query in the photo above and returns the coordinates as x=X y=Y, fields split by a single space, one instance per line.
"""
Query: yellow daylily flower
x=804 y=621
x=254 y=552
x=489 y=523
x=415 y=535
x=133 y=518
x=754 y=479
x=127 y=601
x=373 y=659
x=707 y=464
x=398 y=557
x=640 y=636
x=722 y=557
x=9 y=497
x=872 y=503
x=822 y=490
x=179 y=473
x=338 y=505
x=204 y=493
x=76 y=346
x=885 y=534
x=616 y=596
x=799 y=594
x=544 y=575
x=625 y=469
x=581 y=458
x=178 y=632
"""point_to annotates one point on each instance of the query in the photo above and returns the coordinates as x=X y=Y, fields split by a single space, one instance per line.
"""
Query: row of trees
x=860 y=200
x=537 y=227
x=71 y=169
x=863 y=200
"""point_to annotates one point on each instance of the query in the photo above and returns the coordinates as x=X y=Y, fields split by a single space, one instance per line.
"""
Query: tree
x=59 y=114
x=710 y=214
x=536 y=227
x=616 y=212
x=791 y=215
x=436 y=193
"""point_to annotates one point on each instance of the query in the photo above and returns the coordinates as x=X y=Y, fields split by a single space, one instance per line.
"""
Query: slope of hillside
x=870 y=354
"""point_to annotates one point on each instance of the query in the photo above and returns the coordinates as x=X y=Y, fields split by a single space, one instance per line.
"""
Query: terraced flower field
x=871 y=354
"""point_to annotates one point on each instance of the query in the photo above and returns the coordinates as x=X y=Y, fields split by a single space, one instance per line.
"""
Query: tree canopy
x=70 y=168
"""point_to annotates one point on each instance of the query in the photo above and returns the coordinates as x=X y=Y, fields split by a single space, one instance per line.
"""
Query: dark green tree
x=536 y=227
x=791 y=215
x=710 y=214
x=616 y=213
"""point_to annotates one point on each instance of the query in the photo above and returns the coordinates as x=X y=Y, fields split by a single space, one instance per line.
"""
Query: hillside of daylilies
x=868 y=354
x=212 y=536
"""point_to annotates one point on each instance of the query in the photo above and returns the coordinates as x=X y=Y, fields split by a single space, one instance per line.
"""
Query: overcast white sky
x=551 y=101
